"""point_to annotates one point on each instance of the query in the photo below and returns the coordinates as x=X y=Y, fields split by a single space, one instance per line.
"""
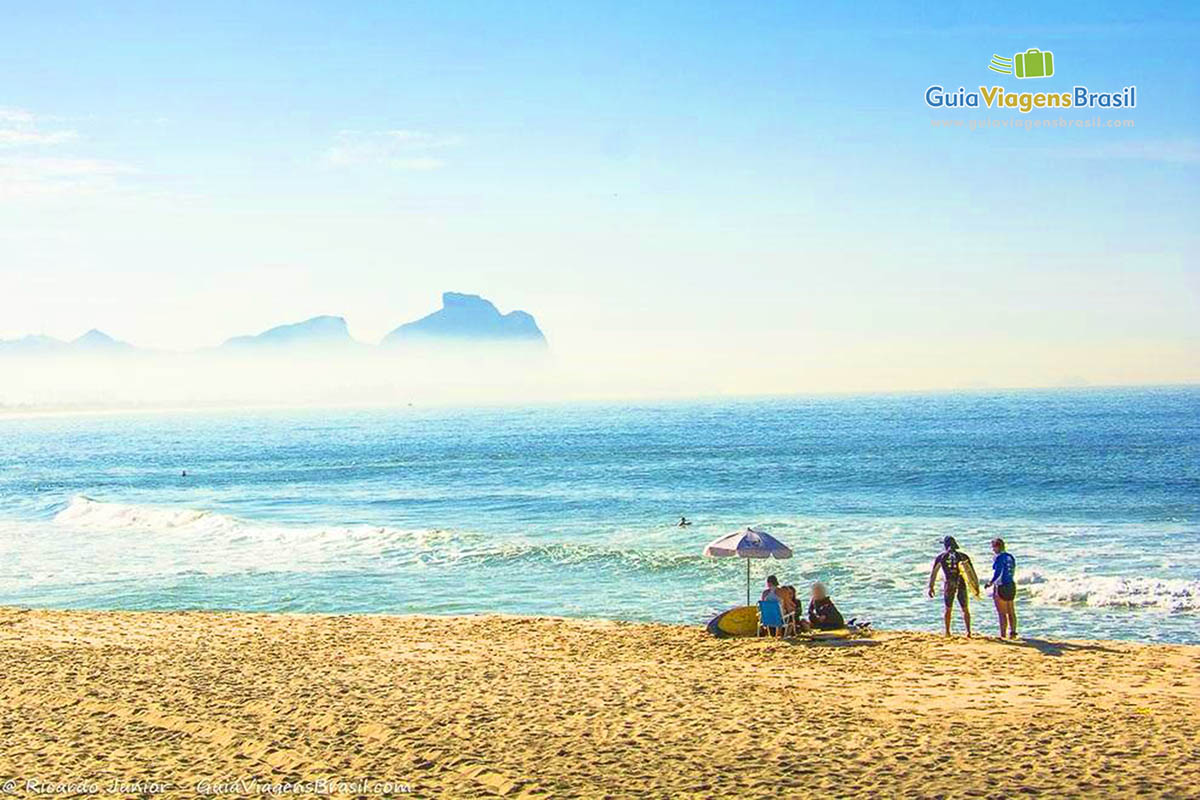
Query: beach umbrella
x=749 y=543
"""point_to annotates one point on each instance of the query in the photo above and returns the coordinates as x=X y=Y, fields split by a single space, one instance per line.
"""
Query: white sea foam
x=1108 y=591
x=249 y=544
x=84 y=512
x=131 y=540
x=209 y=542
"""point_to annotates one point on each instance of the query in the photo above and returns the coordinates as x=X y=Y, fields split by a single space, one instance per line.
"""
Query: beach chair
x=770 y=617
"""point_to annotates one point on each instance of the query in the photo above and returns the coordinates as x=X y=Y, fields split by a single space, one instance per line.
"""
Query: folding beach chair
x=770 y=617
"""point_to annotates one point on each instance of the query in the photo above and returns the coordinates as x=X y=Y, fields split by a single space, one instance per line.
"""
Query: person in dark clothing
x=949 y=562
x=822 y=613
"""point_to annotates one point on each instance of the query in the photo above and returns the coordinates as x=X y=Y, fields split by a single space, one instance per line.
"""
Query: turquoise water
x=571 y=510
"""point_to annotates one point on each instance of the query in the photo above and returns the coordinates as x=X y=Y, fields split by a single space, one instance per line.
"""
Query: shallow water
x=571 y=510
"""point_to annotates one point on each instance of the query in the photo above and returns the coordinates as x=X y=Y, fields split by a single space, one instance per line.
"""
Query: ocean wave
x=256 y=544
x=84 y=512
x=170 y=540
x=220 y=532
x=587 y=555
x=1109 y=591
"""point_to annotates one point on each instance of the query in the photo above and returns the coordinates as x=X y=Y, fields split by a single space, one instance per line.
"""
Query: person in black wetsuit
x=956 y=586
x=822 y=613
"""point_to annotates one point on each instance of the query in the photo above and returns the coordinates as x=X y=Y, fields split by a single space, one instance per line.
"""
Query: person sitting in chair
x=787 y=599
x=785 y=596
x=822 y=613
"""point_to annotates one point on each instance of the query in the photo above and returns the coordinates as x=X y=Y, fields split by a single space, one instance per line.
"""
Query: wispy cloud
x=395 y=149
x=20 y=128
x=27 y=172
x=16 y=115
x=16 y=137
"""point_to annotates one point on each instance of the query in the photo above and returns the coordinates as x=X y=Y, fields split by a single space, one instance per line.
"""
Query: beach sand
x=524 y=707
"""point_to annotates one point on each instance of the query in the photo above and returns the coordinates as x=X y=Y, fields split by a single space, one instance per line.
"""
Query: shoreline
x=507 y=705
x=583 y=620
x=931 y=629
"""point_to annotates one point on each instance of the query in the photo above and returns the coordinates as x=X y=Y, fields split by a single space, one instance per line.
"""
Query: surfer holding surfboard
x=959 y=575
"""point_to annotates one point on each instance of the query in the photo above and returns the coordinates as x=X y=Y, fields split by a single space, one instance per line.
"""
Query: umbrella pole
x=747 y=581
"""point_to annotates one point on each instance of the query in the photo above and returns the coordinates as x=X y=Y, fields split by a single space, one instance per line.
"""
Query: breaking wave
x=1106 y=591
x=179 y=541
x=262 y=544
x=84 y=512
x=219 y=529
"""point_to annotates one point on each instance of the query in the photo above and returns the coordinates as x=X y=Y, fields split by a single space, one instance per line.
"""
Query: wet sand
x=181 y=704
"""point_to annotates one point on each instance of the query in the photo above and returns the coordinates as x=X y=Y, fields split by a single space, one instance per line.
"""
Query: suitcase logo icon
x=1033 y=63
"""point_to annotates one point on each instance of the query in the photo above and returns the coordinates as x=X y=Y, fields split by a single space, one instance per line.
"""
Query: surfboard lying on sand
x=739 y=621
x=743 y=621
x=839 y=633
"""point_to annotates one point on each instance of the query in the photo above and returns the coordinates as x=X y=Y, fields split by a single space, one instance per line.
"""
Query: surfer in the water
x=953 y=563
x=684 y=522
x=1004 y=569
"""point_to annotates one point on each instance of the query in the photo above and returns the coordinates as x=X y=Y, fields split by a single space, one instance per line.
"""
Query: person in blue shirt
x=1004 y=578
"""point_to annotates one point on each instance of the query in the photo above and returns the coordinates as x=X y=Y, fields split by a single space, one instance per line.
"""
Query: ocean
x=572 y=510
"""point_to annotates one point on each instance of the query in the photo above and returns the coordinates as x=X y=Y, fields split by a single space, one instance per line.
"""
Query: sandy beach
x=181 y=704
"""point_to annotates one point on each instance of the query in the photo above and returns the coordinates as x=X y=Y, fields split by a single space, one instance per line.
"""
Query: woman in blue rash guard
x=1004 y=568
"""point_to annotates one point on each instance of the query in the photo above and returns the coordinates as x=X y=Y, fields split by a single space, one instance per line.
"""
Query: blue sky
x=715 y=179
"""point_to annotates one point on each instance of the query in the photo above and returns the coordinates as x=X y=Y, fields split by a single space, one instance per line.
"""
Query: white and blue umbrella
x=747 y=544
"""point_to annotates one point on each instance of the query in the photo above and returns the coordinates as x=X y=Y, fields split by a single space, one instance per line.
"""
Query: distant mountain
x=463 y=318
x=32 y=344
x=468 y=318
x=322 y=331
x=99 y=340
x=90 y=342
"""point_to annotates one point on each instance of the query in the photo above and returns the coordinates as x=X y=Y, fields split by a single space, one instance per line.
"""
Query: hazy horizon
x=705 y=200
x=378 y=377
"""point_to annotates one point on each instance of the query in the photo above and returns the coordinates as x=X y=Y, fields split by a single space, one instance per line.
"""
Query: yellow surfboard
x=739 y=621
x=967 y=571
